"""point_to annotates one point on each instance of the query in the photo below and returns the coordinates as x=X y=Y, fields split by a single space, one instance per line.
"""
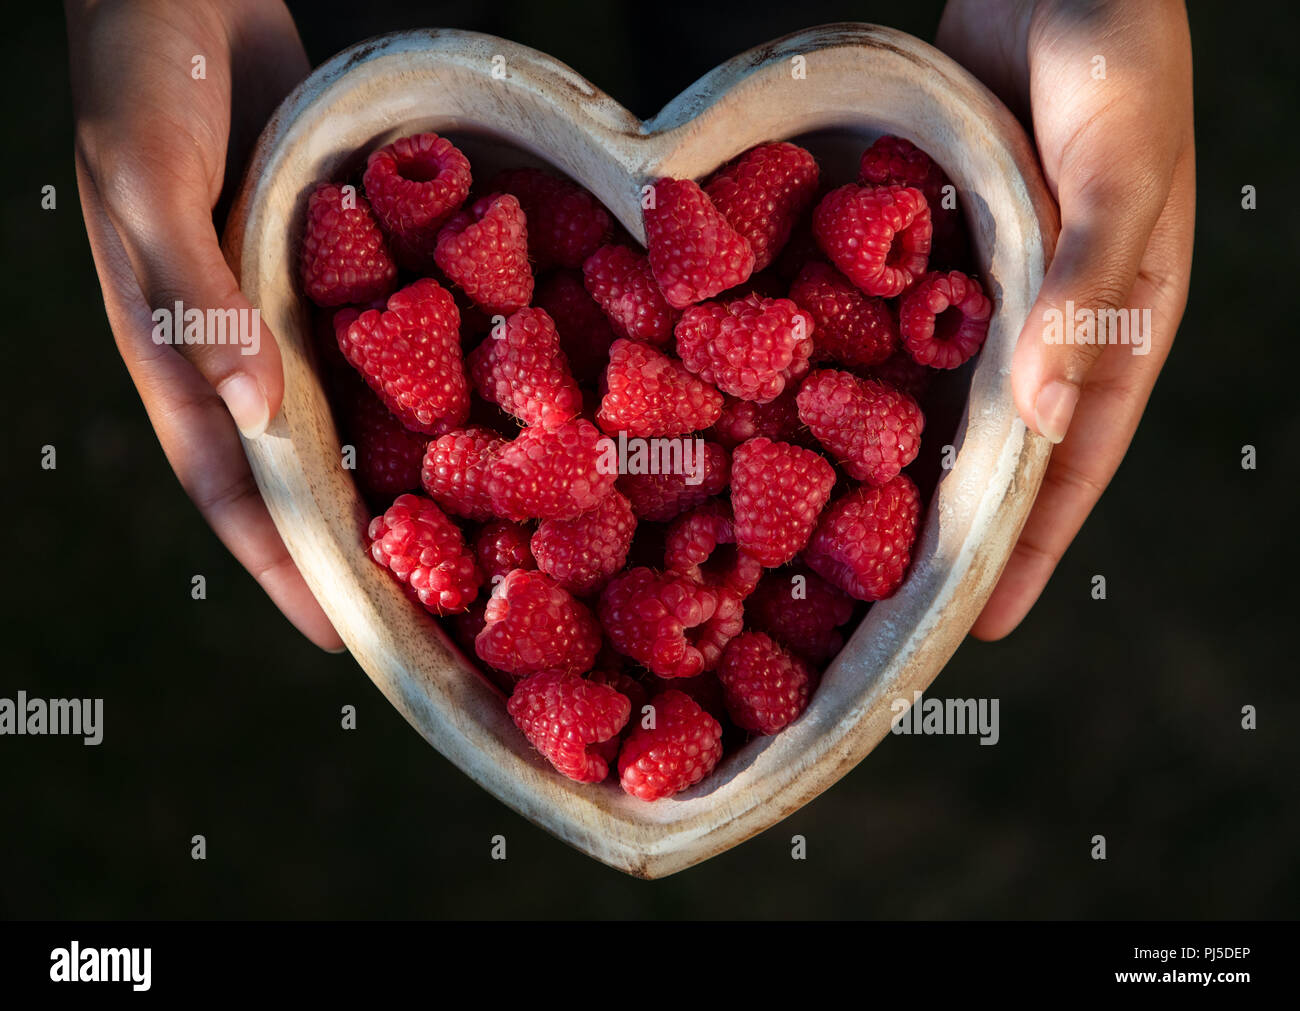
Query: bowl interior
x=434 y=81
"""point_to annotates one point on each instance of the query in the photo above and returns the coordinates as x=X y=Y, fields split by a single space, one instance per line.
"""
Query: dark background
x=1119 y=717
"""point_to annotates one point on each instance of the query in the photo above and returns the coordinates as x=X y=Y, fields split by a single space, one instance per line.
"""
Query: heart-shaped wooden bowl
x=859 y=81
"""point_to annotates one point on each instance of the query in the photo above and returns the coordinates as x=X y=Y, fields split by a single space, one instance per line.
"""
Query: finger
x=164 y=224
x=1107 y=220
x=1115 y=395
x=197 y=435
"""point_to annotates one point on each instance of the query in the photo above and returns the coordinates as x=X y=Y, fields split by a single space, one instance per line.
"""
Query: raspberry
x=388 y=456
x=427 y=553
x=611 y=673
x=566 y=224
x=878 y=237
x=455 y=471
x=585 y=331
x=749 y=348
x=555 y=474
x=670 y=623
x=661 y=497
x=741 y=420
x=872 y=431
x=801 y=611
x=581 y=554
x=901 y=371
x=766 y=687
x=944 y=319
x=501 y=547
x=864 y=542
x=620 y=281
x=520 y=368
x=533 y=625
x=410 y=356
x=762 y=194
x=682 y=748
x=895 y=161
x=414 y=185
x=485 y=251
x=465 y=628
x=852 y=328
x=695 y=548
x=694 y=254
x=777 y=492
x=649 y=394
x=705 y=689
x=801 y=250
x=563 y=715
x=343 y=254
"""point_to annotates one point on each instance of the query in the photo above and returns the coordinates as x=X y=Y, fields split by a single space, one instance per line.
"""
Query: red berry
x=693 y=252
x=388 y=456
x=485 y=251
x=582 y=554
x=863 y=544
x=566 y=224
x=872 y=431
x=585 y=331
x=620 y=281
x=410 y=356
x=564 y=715
x=902 y=372
x=533 y=625
x=425 y=551
x=649 y=394
x=741 y=420
x=520 y=368
x=455 y=471
x=850 y=327
x=763 y=193
x=749 y=348
x=801 y=611
x=701 y=544
x=670 y=623
x=682 y=747
x=343 y=254
x=944 y=319
x=893 y=161
x=414 y=185
x=766 y=687
x=777 y=493
x=552 y=474
x=663 y=496
x=465 y=627
x=879 y=237
x=801 y=250
x=501 y=547
x=704 y=688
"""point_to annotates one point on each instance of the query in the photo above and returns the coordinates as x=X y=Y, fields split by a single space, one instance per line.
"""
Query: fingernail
x=1054 y=408
x=247 y=404
x=336 y=652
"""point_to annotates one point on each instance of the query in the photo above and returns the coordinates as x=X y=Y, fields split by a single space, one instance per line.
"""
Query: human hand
x=156 y=149
x=1117 y=153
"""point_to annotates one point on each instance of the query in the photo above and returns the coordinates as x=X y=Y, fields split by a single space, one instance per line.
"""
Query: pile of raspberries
x=485 y=347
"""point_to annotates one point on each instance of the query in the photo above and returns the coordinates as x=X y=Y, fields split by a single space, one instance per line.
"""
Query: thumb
x=196 y=303
x=1105 y=226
